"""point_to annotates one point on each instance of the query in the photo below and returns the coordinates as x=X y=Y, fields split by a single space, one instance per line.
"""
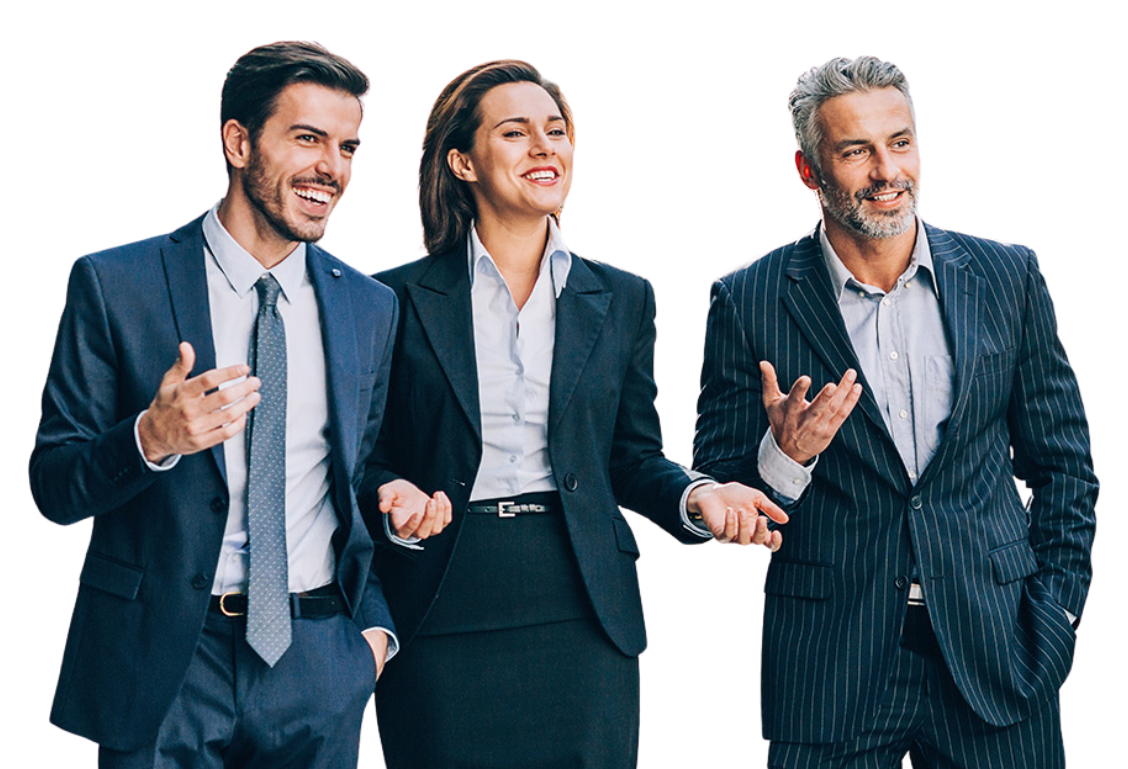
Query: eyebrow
x=525 y=120
x=906 y=131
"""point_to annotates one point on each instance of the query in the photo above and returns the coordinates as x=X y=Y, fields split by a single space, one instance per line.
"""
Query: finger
x=842 y=390
x=210 y=380
x=185 y=360
x=732 y=525
x=747 y=526
x=776 y=541
x=797 y=396
x=214 y=437
x=221 y=399
x=206 y=422
x=388 y=499
x=407 y=529
x=769 y=508
x=426 y=525
x=761 y=533
x=445 y=508
x=769 y=383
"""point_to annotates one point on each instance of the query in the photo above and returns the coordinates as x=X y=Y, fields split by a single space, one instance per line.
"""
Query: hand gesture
x=413 y=513
x=732 y=513
x=803 y=429
x=190 y=415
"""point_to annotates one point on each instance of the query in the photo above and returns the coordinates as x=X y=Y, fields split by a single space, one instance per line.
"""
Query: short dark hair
x=445 y=202
x=250 y=92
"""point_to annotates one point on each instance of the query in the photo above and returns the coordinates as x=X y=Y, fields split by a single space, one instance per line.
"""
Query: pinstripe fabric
x=995 y=575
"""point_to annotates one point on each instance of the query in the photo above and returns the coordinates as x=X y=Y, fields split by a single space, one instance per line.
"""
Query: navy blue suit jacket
x=146 y=581
x=996 y=573
x=604 y=439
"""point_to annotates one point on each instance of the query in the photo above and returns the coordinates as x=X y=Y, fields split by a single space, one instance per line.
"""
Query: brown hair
x=445 y=202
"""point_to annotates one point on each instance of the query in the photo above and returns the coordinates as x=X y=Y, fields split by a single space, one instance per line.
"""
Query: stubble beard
x=847 y=209
x=267 y=199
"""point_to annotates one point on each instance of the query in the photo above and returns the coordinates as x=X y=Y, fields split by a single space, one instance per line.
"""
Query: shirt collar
x=241 y=269
x=921 y=258
x=556 y=254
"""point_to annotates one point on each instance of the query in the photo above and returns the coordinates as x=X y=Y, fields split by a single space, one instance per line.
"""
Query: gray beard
x=847 y=210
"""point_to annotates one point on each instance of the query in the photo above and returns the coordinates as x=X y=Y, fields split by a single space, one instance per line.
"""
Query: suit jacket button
x=200 y=581
x=916 y=503
x=901 y=582
x=219 y=505
x=571 y=482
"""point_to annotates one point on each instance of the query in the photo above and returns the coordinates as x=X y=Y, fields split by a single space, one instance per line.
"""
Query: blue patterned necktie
x=268 y=599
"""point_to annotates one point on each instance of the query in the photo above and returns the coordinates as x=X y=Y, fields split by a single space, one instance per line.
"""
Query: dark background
x=684 y=169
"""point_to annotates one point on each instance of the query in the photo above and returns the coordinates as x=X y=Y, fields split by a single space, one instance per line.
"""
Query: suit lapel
x=961 y=294
x=186 y=273
x=813 y=306
x=580 y=312
x=441 y=299
x=338 y=336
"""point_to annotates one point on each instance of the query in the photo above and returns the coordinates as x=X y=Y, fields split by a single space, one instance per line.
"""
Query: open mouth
x=314 y=196
x=542 y=175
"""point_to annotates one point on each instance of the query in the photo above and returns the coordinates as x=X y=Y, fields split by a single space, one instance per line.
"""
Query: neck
x=873 y=261
x=251 y=229
x=516 y=247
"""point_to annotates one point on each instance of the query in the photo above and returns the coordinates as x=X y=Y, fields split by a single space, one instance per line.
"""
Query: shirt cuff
x=167 y=463
x=694 y=527
x=411 y=543
x=393 y=642
x=786 y=477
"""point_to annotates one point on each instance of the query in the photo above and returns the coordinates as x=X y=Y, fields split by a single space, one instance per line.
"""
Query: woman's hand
x=413 y=513
x=732 y=513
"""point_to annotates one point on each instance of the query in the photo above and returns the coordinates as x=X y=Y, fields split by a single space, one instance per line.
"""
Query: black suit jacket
x=147 y=578
x=996 y=575
x=604 y=439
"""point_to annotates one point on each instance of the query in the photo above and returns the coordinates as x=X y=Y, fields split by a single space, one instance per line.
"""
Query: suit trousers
x=922 y=714
x=234 y=711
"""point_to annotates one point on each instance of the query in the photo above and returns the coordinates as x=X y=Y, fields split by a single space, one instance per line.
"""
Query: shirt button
x=903 y=414
x=912 y=475
x=512 y=458
x=516 y=418
x=893 y=355
x=885 y=302
x=797 y=481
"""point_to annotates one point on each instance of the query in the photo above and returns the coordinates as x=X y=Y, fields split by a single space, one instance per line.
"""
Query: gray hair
x=837 y=77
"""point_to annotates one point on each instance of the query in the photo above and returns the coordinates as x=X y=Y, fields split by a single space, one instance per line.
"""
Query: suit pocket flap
x=799 y=580
x=111 y=576
x=625 y=537
x=1013 y=561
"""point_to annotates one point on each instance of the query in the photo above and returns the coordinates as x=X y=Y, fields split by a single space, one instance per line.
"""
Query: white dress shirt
x=311 y=518
x=902 y=348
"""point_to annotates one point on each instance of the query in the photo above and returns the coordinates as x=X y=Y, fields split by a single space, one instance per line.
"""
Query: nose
x=541 y=145
x=885 y=167
x=331 y=164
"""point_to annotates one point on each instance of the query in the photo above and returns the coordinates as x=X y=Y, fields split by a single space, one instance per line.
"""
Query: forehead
x=509 y=100
x=863 y=115
x=310 y=104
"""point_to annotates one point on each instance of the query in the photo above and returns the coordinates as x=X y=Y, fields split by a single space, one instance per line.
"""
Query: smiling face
x=292 y=174
x=521 y=163
x=869 y=164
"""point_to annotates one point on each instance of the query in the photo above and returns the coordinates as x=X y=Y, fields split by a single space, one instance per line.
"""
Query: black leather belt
x=320 y=602
x=525 y=504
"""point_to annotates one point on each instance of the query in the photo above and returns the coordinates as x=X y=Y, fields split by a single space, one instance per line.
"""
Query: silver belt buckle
x=501 y=510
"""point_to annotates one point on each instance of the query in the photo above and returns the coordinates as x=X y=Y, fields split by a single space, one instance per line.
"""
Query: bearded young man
x=226 y=613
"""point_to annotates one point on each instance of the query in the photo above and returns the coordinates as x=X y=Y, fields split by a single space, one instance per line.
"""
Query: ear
x=806 y=172
x=461 y=166
x=236 y=144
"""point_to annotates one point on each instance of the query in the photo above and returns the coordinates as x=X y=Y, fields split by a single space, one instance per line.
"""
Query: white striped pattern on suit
x=996 y=576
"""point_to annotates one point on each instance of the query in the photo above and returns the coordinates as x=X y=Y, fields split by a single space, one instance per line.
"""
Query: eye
x=557 y=132
x=348 y=149
x=307 y=138
x=902 y=144
x=514 y=134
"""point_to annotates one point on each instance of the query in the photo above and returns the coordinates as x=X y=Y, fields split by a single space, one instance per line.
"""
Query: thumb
x=769 y=383
x=183 y=366
x=388 y=499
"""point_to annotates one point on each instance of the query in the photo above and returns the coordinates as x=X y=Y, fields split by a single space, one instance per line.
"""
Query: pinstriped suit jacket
x=996 y=574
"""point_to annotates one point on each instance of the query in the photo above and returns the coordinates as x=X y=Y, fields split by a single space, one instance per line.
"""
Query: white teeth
x=886 y=197
x=537 y=176
x=316 y=196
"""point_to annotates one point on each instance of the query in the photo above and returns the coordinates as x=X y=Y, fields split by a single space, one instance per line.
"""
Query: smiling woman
x=522 y=400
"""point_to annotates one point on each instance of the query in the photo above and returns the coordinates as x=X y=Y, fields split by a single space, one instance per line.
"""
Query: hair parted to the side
x=252 y=86
x=837 y=77
x=446 y=202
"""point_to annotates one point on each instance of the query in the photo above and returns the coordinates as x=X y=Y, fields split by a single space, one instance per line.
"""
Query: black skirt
x=511 y=667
